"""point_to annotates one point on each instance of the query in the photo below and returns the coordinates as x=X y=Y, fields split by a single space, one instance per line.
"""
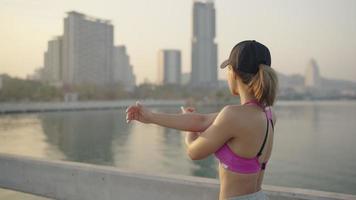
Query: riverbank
x=6 y=108
x=28 y=107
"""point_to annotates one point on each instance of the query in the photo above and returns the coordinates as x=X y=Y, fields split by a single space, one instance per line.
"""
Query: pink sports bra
x=233 y=162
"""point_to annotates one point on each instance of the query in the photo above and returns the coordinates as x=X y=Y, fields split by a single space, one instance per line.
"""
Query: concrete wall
x=69 y=180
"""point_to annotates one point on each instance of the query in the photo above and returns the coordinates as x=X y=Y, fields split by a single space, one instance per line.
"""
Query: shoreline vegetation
x=16 y=90
x=34 y=107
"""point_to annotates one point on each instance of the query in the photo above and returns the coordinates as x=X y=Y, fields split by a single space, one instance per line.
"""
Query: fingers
x=130 y=113
x=191 y=109
x=128 y=117
x=134 y=108
x=135 y=115
x=182 y=108
x=138 y=104
x=188 y=109
x=130 y=108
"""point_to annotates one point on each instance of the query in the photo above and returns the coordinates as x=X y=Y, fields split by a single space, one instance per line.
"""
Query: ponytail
x=262 y=85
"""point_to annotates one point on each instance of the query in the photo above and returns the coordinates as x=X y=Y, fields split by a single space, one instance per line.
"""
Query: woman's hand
x=139 y=113
x=188 y=109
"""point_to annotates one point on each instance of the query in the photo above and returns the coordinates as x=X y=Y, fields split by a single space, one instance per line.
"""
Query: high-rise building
x=312 y=76
x=52 y=72
x=169 y=66
x=87 y=50
x=204 y=49
x=123 y=70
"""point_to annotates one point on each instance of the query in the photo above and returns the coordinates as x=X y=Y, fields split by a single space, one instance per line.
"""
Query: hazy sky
x=294 y=30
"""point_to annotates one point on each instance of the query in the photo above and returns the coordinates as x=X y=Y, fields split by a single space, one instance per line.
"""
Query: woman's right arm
x=193 y=122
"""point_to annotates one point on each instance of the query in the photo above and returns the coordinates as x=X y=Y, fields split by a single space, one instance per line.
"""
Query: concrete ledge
x=70 y=180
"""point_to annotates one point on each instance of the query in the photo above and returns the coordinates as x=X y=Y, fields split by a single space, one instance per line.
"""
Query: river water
x=314 y=144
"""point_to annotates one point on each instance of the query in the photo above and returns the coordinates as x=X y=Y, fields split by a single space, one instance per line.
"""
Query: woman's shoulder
x=233 y=108
x=233 y=111
x=240 y=112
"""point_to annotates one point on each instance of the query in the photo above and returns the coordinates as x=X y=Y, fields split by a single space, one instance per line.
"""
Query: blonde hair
x=263 y=85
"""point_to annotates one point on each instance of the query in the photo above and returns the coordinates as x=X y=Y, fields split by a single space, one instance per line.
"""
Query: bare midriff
x=235 y=184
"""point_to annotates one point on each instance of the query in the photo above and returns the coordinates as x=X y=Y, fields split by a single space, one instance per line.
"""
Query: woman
x=240 y=136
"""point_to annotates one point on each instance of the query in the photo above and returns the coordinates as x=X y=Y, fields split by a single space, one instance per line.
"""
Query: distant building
x=87 y=50
x=52 y=71
x=185 y=79
x=123 y=71
x=204 y=49
x=85 y=54
x=37 y=75
x=169 y=67
x=312 y=77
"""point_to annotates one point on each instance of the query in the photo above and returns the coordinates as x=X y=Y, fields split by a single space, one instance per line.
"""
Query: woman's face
x=232 y=80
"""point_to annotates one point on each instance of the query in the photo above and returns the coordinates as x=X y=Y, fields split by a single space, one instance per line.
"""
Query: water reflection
x=313 y=144
x=22 y=134
x=84 y=136
x=311 y=147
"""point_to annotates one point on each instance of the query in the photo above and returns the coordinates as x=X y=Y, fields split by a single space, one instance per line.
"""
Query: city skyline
x=295 y=32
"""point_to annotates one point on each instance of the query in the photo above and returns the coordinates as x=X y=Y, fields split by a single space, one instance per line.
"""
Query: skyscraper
x=169 y=66
x=204 y=48
x=123 y=70
x=53 y=62
x=87 y=50
x=312 y=76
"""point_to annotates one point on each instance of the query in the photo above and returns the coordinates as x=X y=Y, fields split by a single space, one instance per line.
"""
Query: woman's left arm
x=206 y=143
x=189 y=136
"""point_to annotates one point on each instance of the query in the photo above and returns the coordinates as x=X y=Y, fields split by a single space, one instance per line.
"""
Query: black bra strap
x=263 y=166
x=264 y=141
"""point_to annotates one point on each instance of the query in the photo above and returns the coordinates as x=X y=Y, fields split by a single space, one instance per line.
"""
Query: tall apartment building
x=204 y=49
x=52 y=71
x=87 y=50
x=123 y=70
x=169 y=67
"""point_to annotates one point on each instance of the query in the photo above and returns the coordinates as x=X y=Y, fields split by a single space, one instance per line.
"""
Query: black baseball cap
x=247 y=55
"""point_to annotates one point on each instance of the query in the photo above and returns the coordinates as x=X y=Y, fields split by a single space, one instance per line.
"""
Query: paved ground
x=13 y=195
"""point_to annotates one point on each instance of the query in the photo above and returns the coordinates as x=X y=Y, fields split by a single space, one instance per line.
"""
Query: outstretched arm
x=194 y=122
